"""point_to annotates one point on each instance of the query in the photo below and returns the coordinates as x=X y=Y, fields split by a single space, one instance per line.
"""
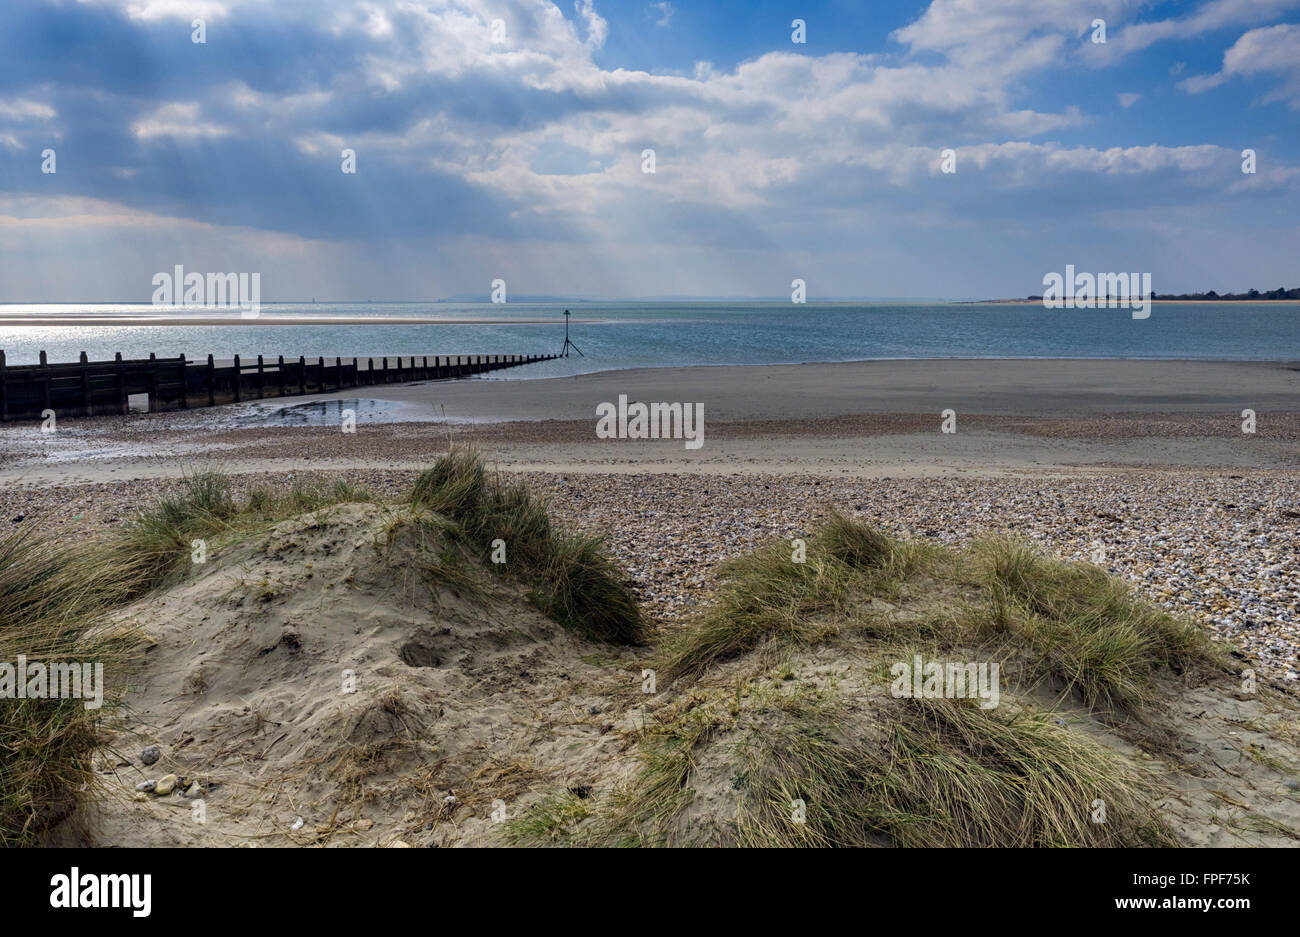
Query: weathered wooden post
x=320 y=375
x=279 y=369
x=239 y=373
x=84 y=373
x=45 y=383
x=212 y=382
x=261 y=377
x=302 y=375
x=120 y=381
x=153 y=383
x=4 y=394
x=185 y=383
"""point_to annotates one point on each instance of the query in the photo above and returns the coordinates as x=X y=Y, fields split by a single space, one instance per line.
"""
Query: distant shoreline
x=1122 y=305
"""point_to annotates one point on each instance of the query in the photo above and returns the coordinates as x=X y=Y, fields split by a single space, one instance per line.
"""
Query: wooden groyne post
x=87 y=388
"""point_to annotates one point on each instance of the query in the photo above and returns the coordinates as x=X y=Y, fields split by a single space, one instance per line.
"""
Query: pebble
x=146 y=786
x=151 y=753
x=166 y=784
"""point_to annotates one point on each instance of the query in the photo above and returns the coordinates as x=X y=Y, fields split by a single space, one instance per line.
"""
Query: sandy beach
x=1146 y=459
x=866 y=419
x=1032 y=388
x=1140 y=468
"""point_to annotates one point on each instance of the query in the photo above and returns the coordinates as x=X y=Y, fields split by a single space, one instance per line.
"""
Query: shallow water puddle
x=332 y=412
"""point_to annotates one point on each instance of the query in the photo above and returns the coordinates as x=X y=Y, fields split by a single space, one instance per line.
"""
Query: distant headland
x=1250 y=296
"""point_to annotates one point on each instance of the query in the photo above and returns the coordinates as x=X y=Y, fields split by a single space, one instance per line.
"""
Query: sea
x=610 y=336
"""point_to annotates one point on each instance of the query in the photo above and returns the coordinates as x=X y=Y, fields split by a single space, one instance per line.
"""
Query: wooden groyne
x=88 y=388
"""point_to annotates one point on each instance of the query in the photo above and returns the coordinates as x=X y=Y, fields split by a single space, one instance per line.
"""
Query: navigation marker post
x=564 y=351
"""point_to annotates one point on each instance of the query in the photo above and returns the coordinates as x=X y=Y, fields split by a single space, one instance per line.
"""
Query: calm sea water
x=627 y=335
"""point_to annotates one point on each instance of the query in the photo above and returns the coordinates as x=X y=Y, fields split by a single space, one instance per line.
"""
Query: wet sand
x=864 y=419
x=1033 y=388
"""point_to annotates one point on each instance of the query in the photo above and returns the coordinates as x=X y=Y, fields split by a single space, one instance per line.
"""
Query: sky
x=506 y=139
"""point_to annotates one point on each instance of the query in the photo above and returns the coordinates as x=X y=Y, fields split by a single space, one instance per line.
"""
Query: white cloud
x=992 y=30
x=20 y=110
x=1127 y=98
x=187 y=10
x=1217 y=14
x=1272 y=49
x=597 y=28
x=180 y=120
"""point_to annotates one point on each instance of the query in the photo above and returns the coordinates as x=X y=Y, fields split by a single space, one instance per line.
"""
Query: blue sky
x=518 y=155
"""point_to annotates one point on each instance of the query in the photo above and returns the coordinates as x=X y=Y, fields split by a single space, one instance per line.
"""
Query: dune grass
x=764 y=596
x=49 y=597
x=769 y=595
x=1068 y=622
x=572 y=578
x=1085 y=628
x=805 y=770
x=948 y=774
x=153 y=547
x=548 y=821
x=643 y=813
